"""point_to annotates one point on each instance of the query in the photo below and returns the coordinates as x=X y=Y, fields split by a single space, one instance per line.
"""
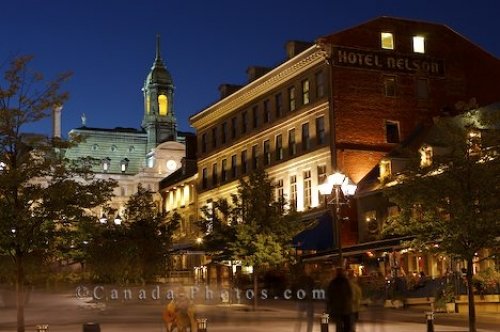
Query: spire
x=158 y=55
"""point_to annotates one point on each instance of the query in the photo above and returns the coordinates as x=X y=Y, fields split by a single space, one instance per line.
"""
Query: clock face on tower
x=171 y=165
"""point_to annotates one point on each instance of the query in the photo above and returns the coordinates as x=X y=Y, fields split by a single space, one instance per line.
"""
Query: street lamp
x=331 y=188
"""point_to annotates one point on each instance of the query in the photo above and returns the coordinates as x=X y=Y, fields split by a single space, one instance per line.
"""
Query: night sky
x=109 y=45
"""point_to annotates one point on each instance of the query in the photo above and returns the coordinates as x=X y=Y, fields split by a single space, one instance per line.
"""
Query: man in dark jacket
x=339 y=301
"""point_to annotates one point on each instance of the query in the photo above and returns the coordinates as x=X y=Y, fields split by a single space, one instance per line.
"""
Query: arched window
x=163 y=104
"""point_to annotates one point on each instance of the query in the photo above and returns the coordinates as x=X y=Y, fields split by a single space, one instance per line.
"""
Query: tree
x=260 y=232
x=42 y=195
x=137 y=249
x=451 y=205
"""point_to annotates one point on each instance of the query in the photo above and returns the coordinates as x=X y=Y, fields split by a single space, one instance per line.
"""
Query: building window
x=306 y=141
x=267 y=111
x=293 y=192
x=384 y=169
x=390 y=86
x=114 y=148
x=474 y=142
x=321 y=178
x=291 y=98
x=425 y=156
x=233 y=166
x=279 y=147
x=307 y=189
x=305 y=92
x=214 y=137
x=233 y=128
x=106 y=164
x=215 y=176
x=387 y=40
x=320 y=130
x=244 y=122
x=422 y=88
x=292 y=146
x=223 y=134
x=320 y=84
x=418 y=44
x=223 y=174
x=392 y=131
x=255 y=157
x=204 y=178
x=95 y=147
x=371 y=221
x=244 y=162
x=255 y=116
x=267 y=152
x=279 y=105
x=203 y=143
x=280 y=193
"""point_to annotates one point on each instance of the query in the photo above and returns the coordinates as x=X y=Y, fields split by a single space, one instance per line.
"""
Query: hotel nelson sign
x=412 y=64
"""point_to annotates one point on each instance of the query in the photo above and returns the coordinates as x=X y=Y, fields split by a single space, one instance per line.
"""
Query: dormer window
x=384 y=169
x=106 y=163
x=418 y=44
x=387 y=40
x=426 y=156
x=124 y=165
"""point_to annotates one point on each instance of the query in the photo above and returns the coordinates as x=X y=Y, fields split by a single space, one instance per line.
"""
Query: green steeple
x=159 y=117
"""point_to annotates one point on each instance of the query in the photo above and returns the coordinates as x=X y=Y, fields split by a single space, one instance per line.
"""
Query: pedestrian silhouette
x=304 y=292
x=339 y=301
x=356 y=299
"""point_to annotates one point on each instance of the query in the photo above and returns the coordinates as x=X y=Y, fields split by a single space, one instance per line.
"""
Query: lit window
x=425 y=156
x=244 y=162
x=307 y=189
x=305 y=92
x=106 y=163
x=279 y=147
x=163 y=104
x=292 y=146
x=384 y=169
x=293 y=192
x=387 y=40
x=418 y=44
x=474 y=142
x=291 y=99
x=267 y=152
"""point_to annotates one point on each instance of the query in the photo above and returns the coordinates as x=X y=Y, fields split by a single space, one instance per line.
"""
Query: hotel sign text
x=351 y=57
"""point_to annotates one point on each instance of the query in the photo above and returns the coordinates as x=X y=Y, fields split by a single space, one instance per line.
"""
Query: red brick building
x=391 y=75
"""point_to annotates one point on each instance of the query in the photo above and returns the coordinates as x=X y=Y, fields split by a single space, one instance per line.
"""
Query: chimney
x=56 y=121
x=228 y=89
x=254 y=72
x=294 y=47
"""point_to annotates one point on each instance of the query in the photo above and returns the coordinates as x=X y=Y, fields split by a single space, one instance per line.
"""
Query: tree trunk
x=20 y=293
x=470 y=293
x=255 y=287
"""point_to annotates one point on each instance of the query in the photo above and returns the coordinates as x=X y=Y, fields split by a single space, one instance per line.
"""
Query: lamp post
x=331 y=189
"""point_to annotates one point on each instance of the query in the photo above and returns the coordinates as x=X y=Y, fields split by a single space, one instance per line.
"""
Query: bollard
x=202 y=324
x=430 y=321
x=42 y=328
x=324 y=322
x=91 y=327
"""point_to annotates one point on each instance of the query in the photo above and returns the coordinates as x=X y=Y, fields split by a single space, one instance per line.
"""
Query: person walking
x=305 y=305
x=356 y=299
x=339 y=298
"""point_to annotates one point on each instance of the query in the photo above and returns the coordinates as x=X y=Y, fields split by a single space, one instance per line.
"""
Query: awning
x=360 y=248
x=319 y=237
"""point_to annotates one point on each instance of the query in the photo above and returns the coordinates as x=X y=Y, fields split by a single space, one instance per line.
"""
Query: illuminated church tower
x=159 y=118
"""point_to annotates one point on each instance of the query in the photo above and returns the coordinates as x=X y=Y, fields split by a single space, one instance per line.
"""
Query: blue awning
x=319 y=237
